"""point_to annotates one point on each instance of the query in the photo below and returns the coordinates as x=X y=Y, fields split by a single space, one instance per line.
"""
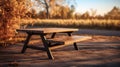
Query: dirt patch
x=100 y=51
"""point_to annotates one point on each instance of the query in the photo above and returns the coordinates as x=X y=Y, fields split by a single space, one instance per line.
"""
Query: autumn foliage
x=10 y=13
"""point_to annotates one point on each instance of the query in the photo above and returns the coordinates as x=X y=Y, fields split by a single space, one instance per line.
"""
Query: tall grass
x=82 y=23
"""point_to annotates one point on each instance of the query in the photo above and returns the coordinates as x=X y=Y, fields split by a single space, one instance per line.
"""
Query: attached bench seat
x=66 y=40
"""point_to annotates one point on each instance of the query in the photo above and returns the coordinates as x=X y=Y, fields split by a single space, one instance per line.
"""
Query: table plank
x=47 y=30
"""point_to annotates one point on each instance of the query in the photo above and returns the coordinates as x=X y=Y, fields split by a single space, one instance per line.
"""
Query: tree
x=72 y=10
x=42 y=15
x=77 y=16
x=114 y=13
x=64 y=12
x=31 y=13
x=85 y=15
x=46 y=4
x=52 y=6
x=11 y=11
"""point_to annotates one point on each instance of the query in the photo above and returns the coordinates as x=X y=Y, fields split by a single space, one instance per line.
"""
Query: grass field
x=82 y=23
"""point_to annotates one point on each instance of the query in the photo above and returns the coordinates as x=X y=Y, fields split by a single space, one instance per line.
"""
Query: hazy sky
x=102 y=6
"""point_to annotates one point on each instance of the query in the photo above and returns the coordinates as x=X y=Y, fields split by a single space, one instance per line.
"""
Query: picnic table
x=52 y=43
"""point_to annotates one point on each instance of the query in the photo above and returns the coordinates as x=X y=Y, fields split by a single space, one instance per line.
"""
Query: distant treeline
x=65 y=12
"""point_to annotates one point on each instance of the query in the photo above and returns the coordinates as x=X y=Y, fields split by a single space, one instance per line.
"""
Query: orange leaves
x=10 y=13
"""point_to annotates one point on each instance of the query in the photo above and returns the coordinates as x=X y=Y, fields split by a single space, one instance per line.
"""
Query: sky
x=102 y=6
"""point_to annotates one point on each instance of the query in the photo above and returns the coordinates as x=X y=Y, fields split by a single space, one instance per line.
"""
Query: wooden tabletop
x=47 y=30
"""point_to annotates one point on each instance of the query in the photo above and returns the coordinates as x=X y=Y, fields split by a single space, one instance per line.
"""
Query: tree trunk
x=47 y=9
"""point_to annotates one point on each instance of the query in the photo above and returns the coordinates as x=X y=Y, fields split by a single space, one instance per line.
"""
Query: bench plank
x=67 y=40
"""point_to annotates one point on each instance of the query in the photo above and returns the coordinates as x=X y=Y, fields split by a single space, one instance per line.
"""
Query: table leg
x=75 y=45
x=50 y=56
x=53 y=35
x=26 y=43
x=69 y=33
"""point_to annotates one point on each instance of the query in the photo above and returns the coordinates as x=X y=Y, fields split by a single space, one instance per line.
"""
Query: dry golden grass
x=82 y=23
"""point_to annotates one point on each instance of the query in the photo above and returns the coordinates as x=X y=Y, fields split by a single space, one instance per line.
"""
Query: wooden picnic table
x=42 y=32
